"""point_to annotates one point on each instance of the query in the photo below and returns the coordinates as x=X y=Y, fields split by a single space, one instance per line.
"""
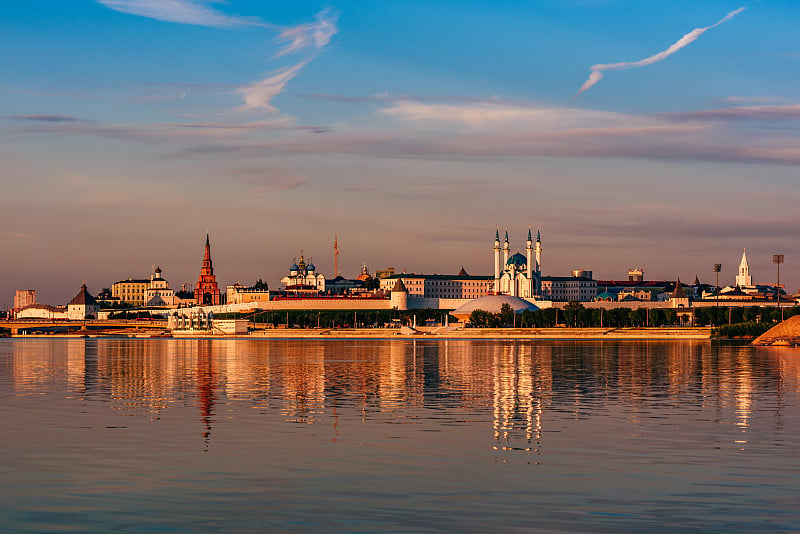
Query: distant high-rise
x=207 y=291
x=24 y=297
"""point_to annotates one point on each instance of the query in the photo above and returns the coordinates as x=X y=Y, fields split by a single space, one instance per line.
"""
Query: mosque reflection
x=520 y=387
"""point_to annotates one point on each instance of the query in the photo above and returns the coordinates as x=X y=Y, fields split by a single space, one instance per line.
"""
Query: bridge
x=31 y=326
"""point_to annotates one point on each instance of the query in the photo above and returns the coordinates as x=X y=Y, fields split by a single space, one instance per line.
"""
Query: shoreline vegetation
x=574 y=322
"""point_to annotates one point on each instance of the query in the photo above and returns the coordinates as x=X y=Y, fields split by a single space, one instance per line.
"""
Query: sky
x=632 y=134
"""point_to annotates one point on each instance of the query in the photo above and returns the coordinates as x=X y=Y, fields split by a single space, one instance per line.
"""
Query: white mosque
x=519 y=275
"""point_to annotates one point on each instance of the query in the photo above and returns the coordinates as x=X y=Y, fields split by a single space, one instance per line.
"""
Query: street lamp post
x=717 y=269
x=777 y=259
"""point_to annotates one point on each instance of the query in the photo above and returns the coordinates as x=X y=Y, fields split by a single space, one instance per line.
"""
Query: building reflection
x=521 y=387
x=206 y=386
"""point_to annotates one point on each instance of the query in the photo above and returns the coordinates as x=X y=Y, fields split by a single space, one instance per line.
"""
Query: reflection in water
x=401 y=435
x=311 y=382
x=206 y=384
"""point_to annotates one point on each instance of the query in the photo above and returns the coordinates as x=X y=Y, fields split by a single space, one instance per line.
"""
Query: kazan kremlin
x=517 y=281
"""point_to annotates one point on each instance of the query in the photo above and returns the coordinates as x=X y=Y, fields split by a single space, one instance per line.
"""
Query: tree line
x=339 y=318
x=575 y=314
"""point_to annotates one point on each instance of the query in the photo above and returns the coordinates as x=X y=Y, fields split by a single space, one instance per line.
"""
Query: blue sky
x=410 y=129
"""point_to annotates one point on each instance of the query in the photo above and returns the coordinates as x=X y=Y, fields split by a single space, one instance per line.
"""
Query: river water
x=103 y=435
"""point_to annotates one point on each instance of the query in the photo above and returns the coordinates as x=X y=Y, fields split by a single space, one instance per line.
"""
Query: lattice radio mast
x=335 y=256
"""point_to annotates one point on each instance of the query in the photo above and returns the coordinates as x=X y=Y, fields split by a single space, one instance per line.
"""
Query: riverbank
x=497 y=333
x=433 y=332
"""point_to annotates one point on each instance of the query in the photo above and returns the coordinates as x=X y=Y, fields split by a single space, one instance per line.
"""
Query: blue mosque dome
x=518 y=260
x=294 y=267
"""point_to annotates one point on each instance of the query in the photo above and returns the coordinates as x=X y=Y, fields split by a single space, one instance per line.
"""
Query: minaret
x=497 y=261
x=529 y=264
x=743 y=278
x=538 y=262
x=506 y=250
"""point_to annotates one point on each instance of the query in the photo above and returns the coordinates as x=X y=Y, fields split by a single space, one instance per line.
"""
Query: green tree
x=507 y=317
x=571 y=311
x=481 y=318
x=261 y=285
x=372 y=284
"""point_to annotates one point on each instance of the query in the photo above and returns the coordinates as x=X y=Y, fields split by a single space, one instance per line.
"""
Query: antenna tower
x=335 y=256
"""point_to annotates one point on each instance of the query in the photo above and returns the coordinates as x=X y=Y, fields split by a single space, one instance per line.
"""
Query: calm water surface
x=406 y=436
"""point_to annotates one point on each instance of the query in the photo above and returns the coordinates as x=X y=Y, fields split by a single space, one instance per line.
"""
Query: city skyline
x=274 y=284
x=131 y=126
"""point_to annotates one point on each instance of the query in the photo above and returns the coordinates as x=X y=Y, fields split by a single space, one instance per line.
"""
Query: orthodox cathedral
x=304 y=276
x=519 y=275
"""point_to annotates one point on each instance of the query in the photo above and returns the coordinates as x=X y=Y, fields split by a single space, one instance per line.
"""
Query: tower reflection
x=520 y=388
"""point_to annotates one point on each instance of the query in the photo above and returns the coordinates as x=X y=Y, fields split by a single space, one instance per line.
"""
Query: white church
x=744 y=282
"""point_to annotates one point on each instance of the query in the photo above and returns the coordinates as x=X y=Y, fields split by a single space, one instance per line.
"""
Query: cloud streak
x=756 y=113
x=268 y=180
x=259 y=95
x=45 y=118
x=314 y=35
x=597 y=71
x=196 y=13
x=470 y=131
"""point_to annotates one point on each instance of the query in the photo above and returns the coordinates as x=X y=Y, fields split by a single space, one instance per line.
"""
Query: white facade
x=41 y=311
x=438 y=286
x=569 y=288
x=83 y=306
x=158 y=292
x=238 y=294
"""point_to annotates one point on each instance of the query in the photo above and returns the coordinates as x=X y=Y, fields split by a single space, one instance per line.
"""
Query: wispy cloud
x=314 y=35
x=194 y=12
x=45 y=118
x=281 y=123
x=760 y=113
x=154 y=133
x=311 y=36
x=268 y=180
x=597 y=70
x=179 y=95
x=259 y=95
x=752 y=99
x=470 y=131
